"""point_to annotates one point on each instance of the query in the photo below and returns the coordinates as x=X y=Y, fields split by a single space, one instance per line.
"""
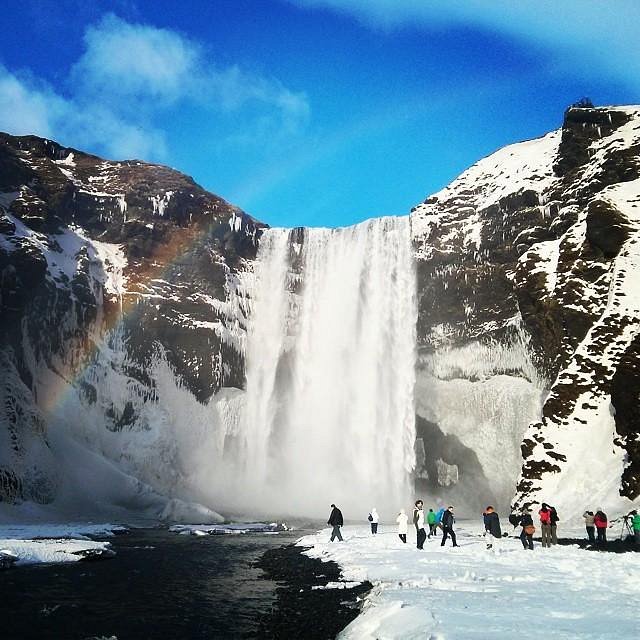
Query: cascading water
x=329 y=407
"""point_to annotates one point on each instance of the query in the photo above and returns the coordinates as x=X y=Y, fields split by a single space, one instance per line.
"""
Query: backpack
x=545 y=517
x=370 y=518
x=529 y=529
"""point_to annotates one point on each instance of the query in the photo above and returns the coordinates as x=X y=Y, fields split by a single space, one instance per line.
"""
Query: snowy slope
x=469 y=592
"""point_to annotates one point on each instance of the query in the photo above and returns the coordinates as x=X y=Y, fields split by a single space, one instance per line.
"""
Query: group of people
x=596 y=521
x=444 y=520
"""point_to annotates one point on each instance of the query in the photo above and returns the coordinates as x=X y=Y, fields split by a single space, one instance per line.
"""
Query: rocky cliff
x=95 y=254
x=529 y=312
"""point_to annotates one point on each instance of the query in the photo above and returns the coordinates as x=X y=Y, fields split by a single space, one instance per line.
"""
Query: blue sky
x=310 y=112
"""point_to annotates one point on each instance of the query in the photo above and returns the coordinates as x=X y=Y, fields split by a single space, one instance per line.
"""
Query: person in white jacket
x=402 y=521
x=374 y=518
x=419 y=520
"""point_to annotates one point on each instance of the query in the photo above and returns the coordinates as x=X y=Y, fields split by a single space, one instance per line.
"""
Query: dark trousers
x=602 y=535
x=448 y=531
x=527 y=540
x=591 y=532
x=422 y=536
x=433 y=528
x=374 y=527
x=403 y=537
x=336 y=533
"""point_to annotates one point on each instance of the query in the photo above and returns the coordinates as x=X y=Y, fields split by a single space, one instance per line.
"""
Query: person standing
x=448 y=521
x=545 y=524
x=590 y=526
x=402 y=521
x=416 y=509
x=492 y=526
x=554 y=524
x=422 y=534
x=601 y=522
x=635 y=525
x=528 y=529
x=431 y=521
x=336 y=521
x=374 y=518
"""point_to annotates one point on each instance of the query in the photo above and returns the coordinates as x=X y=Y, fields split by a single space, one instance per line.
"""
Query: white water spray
x=329 y=411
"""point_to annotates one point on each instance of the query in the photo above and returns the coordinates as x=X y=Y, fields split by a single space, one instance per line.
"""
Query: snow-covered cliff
x=528 y=329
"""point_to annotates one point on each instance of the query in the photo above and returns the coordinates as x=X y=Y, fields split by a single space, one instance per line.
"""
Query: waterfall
x=329 y=407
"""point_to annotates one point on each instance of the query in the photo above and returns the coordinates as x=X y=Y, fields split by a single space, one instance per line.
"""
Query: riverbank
x=312 y=599
x=470 y=592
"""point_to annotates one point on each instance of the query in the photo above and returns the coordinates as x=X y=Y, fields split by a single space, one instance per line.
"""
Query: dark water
x=160 y=585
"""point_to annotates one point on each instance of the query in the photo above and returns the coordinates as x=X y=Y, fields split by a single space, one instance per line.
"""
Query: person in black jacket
x=528 y=529
x=336 y=521
x=554 y=525
x=492 y=526
x=447 y=527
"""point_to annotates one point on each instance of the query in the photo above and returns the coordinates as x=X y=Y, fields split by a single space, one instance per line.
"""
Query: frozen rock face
x=528 y=303
x=116 y=278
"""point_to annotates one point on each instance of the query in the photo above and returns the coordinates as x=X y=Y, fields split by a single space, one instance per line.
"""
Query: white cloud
x=131 y=73
x=28 y=106
x=25 y=109
x=133 y=66
x=123 y=59
x=591 y=37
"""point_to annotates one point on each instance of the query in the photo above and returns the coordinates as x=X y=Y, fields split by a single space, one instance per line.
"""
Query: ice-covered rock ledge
x=231 y=528
x=470 y=592
x=54 y=543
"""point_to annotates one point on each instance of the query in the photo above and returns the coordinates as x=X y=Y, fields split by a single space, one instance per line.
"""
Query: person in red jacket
x=545 y=524
x=600 y=520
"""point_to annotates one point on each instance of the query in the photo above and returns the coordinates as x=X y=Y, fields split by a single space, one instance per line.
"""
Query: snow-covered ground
x=53 y=543
x=469 y=592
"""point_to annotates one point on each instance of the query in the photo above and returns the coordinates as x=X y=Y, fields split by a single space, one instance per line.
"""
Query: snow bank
x=470 y=592
x=220 y=529
x=53 y=551
x=53 y=543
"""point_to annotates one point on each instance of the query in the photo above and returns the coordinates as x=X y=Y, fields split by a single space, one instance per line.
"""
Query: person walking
x=439 y=515
x=431 y=521
x=545 y=524
x=335 y=521
x=590 y=526
x=635 y=525
x=448 y=521
x=402 y=521
x=528 y=529
x=554 y=524
x=422 y=534
x=492 y=526
x=374 y=518
x=601 y=522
